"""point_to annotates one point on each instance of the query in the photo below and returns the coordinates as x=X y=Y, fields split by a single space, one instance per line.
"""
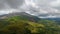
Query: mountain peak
x=22 y=15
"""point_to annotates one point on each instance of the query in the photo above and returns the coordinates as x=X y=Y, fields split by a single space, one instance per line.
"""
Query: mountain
x=23 y=15
x=24 y=23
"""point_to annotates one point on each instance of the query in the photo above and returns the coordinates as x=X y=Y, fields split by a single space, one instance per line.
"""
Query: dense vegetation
x=22 y=25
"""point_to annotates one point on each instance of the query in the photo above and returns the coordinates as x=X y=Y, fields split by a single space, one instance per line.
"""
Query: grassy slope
x=22 y=25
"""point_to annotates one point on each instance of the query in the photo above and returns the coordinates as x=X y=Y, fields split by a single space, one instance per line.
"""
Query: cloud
x=10 y=4
x=47 y=8
x=55 y=3
x=7 y=6
x=7 y=11
x=14 y=3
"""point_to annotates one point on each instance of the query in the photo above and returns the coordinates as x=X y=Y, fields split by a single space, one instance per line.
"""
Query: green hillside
x=23 y=25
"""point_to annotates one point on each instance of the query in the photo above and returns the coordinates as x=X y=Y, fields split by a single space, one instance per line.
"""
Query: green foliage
x=22 y=25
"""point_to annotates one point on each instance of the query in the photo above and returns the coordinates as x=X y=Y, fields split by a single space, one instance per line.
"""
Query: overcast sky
x=7 y=6
x=49 y=8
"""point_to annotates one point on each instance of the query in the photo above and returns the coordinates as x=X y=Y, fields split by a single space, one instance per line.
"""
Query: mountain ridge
x=22 y=14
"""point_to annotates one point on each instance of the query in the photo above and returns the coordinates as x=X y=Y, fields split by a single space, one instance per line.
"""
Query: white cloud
x=44 y=7
x=50 y=16
x=55 y=3
x=43 y=11
x=30 y=2
x=7 y=11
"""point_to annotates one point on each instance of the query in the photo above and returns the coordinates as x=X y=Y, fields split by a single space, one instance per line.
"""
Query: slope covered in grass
x=23 y=25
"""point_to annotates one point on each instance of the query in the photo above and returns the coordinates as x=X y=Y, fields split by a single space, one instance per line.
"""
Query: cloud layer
x=10 y=3
x=43 y=8
x=7 y=6
x=40 y=8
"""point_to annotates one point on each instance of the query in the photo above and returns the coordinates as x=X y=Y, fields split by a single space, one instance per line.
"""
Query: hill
x=23 y=23
x=23 y=15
